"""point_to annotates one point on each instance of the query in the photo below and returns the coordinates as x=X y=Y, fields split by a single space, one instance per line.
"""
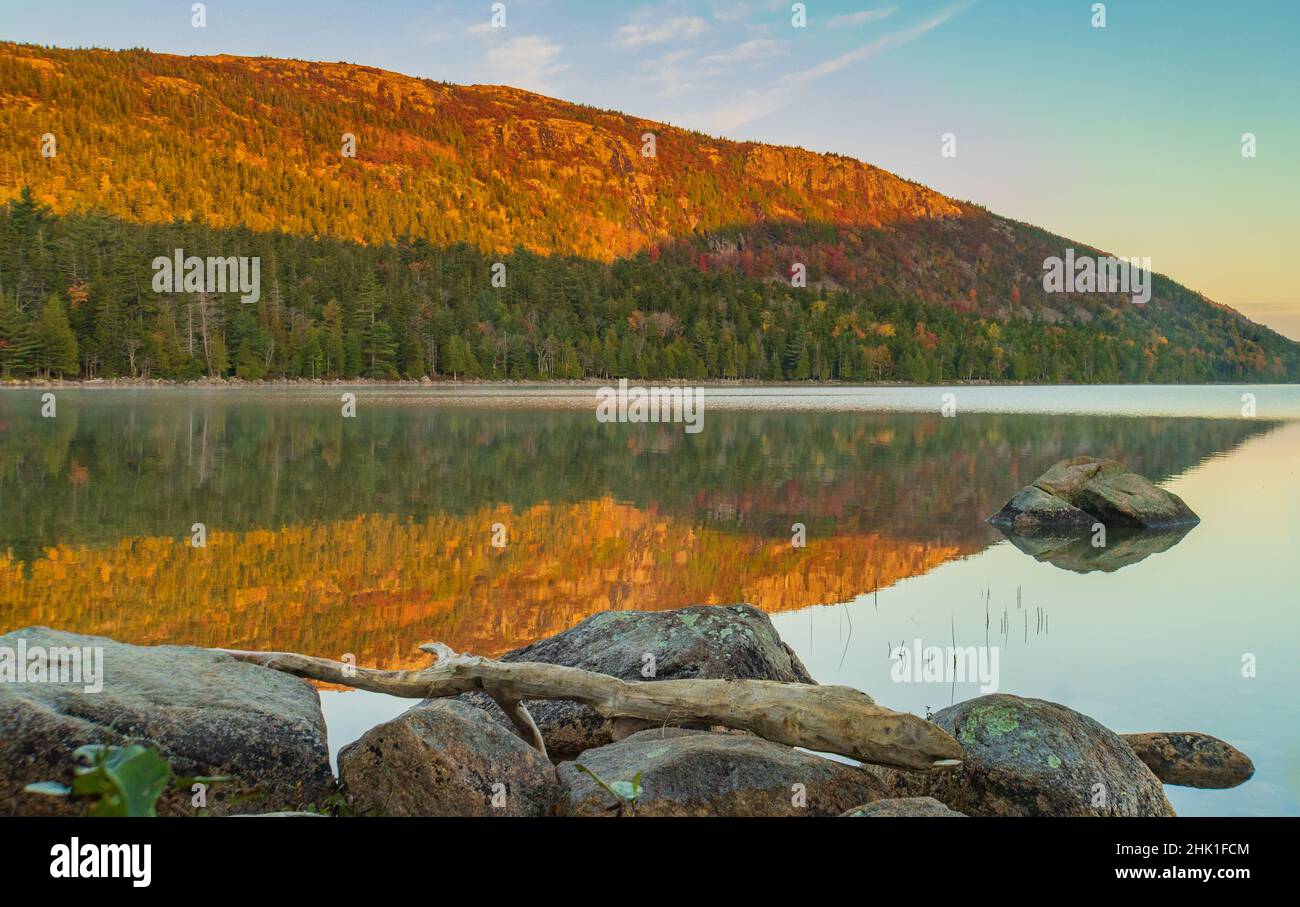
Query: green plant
x=119 y=780
x=627 y=793
x=333 y=804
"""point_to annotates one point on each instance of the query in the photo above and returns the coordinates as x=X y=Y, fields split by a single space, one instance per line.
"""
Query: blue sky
x=1126 y=137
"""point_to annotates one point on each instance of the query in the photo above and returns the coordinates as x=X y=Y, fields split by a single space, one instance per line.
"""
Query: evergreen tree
x=57 y=344
x=379 y=350
x=19 y=343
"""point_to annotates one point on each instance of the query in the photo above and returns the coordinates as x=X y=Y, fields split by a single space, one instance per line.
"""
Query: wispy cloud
x=673 y=73
x=646 y=29
x=527 y=62
x=853 y=20
x=760 y=102
x=881 y=45
x=676 y=72
x=730 y=12
x=754 y=51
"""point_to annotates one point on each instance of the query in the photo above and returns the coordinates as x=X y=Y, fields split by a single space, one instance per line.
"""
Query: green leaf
x=124 y=780
x=595 y=777
x=141 y=775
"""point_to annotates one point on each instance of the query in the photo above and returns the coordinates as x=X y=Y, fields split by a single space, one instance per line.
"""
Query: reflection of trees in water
x=372 y=535
x=112 y=467
x=377 y=586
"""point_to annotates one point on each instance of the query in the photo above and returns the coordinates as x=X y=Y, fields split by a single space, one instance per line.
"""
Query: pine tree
x=19 y=343
x=57 y=344
x=379 y=349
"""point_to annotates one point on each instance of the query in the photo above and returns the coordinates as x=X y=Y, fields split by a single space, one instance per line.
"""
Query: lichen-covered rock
x=447 y=758
x=205 y=713
x=908 y=807
x=1075 y=493
x=732 y=642
x=1189 y=759
x=1029 y=757
x=698 y=773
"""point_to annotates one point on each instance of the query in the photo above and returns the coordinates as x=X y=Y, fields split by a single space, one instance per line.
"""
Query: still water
x=370 y=535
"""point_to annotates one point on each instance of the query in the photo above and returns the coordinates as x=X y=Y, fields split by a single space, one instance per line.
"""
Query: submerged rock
x=1076 y=493
x=447 y=758
x=699 y=773
x=732 y=642
x=1029 y=757
x=205 y=713
x=1189 y=759
x=908 y=807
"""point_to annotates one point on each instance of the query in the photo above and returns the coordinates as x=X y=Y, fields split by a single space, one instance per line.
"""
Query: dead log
x=828 y=719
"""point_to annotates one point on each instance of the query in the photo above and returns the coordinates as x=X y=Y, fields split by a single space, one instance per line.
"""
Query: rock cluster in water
x=1078 y=493
x=210 y=714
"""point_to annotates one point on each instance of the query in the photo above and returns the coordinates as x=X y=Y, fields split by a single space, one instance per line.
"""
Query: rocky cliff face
x=259 y=142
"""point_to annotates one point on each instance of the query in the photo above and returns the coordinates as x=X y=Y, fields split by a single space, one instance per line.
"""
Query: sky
x=1126 y=137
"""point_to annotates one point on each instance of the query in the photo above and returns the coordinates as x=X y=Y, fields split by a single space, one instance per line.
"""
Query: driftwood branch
x=828 y=719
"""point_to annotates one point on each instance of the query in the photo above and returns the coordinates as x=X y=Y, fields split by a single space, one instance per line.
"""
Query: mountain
x=258 y=143
x=614 y=253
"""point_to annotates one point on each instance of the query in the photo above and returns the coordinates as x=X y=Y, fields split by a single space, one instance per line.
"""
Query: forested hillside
x=255 y=142
x=76 y=298
x=675 y=264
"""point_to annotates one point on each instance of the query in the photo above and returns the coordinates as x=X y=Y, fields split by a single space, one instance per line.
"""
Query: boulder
x=1076 y=493
x=732 y=642
x=205 y=713
x=1029 y=757
x=1189 y=759
x=447 y=758
x=1032 y=507
x=700 y=773
x=906 y=807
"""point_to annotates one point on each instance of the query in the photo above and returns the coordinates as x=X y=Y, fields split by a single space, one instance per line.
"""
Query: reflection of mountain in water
x=377 y=586
x=1078 y=554
x=371 y=535
x=136 y=465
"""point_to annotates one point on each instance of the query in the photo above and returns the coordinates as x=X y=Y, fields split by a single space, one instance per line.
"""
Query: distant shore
x=234 y=383
x=238 y=383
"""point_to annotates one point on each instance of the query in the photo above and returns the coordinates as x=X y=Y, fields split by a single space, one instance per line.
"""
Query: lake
x=369 y=535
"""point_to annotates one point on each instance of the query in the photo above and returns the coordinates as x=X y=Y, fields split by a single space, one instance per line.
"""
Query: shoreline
x=713 y=383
